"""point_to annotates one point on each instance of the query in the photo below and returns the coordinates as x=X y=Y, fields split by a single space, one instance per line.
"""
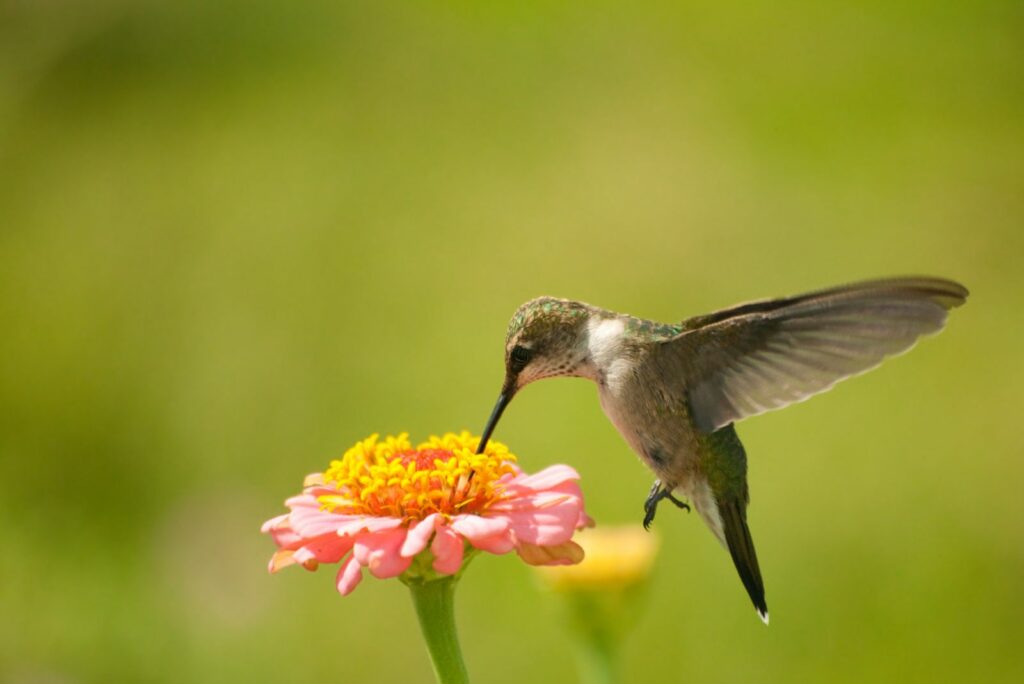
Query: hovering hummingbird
x=674 y=390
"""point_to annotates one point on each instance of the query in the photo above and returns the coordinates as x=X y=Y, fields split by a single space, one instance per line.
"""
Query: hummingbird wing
x=765 y=355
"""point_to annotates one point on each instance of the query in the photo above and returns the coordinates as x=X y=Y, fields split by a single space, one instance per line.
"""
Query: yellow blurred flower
x=602 y=597
x=615 y=558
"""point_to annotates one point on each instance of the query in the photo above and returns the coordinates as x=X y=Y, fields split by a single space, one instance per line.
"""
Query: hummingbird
x=674 y=391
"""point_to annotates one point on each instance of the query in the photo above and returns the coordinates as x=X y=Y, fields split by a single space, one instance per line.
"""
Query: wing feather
x=766 y=355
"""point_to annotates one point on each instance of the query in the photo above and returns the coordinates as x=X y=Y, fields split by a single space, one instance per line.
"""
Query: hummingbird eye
x=519 y=358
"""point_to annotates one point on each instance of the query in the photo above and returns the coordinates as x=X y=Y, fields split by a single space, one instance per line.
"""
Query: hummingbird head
x=547 y=337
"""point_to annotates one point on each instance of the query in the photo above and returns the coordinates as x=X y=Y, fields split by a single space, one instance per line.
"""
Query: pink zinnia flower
x=385 y=503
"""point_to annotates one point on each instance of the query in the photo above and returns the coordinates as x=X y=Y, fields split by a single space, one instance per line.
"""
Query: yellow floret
x=442 y=475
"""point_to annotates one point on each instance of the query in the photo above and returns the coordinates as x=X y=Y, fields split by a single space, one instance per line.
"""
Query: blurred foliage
x=235 y=237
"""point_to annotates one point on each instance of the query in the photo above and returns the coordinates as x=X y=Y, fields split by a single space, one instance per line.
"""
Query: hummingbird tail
x=741 y=548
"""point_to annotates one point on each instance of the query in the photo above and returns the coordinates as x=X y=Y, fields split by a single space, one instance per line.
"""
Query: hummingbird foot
x=679 y=504
x=654 y=498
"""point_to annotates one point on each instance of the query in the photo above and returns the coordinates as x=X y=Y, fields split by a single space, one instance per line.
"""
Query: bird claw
x=651 y=504
x=650 y=508
x=677 y=502
x=654 y=498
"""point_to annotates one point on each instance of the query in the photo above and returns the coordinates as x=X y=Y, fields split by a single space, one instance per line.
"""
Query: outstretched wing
x=766 y=355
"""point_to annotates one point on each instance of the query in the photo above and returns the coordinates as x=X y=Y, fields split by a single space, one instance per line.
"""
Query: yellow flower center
x=616 y=558
x=391 y=478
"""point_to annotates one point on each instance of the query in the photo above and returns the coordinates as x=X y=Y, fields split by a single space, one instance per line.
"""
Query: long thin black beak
x=503 y=400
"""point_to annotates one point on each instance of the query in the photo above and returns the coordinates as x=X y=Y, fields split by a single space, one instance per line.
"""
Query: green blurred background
x=236 y=237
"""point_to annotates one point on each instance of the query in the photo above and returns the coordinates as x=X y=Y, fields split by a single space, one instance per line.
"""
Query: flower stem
x=435 y=608
x=597 y=663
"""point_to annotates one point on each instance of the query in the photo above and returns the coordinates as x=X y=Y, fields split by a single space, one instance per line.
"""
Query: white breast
x=604 y=345
x=604 y=342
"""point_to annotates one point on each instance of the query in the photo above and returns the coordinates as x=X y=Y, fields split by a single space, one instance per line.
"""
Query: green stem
x=597 y=662
x=435 y=608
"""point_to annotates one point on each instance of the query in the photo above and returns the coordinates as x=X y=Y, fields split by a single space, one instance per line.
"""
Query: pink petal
x=379 y=551
x=529 y=498
x=349 y=575
x=309 y=520
x=274 y=523
x=282 y=533
x=568 y=553
x=281 y=559
x=498 y=544
x=419 y=535
x=363 y=523
x=447 y=550
x=548 y=525
x=328 y=548
x=491 y=534
x=547 y=478
x=318 y=490
x=472 y=526
x=301 y=500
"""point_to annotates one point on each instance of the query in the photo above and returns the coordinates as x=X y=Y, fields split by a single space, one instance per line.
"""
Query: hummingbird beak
x=508 y=390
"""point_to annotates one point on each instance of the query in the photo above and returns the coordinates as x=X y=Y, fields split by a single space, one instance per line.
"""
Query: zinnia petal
x=491 y=534
x=419 y=536
x=552 y=476
x=447 y=550
x=309 y=520
x=274 y=523
x=355 y=525
x=379 y=552
x=349 y=575
x=560 y=554
x=475 y=526
x=547 y=525
x=327 y=548
x=282 y=558
x=282 y=533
